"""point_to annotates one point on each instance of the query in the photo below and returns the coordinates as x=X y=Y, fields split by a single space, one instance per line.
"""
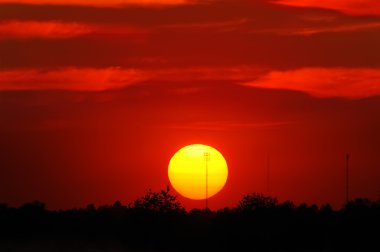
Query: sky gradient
x=96 y=96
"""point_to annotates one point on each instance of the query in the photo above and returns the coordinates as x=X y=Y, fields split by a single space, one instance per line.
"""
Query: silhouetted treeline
x=157 y=221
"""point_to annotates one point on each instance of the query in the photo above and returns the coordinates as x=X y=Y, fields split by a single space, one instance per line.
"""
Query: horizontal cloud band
x=351 y=7
x=61 y=30
x=101 y=3
x=321 y=82
x=324 y=82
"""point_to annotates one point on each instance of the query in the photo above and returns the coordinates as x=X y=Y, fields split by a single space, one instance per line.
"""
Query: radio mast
x=207 y=159
x=347 y=178
x=268 y=174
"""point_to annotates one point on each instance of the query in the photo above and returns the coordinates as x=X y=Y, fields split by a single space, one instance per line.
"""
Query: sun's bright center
x=198 y=171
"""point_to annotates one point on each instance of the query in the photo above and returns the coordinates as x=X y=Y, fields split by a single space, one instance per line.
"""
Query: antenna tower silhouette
x=268 y=174
x=207 y=159
x=347 y=178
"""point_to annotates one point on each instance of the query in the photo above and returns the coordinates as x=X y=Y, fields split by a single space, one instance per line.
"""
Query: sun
x=198 y=171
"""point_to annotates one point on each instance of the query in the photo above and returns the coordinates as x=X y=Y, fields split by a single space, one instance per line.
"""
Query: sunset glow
x=97 y=96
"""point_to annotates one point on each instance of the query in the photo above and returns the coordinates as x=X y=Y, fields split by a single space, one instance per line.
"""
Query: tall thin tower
x=347 y=178
x=268 y=174
x=207 y=159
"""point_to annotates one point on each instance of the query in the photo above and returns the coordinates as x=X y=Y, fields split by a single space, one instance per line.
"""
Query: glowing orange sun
x=198 y=171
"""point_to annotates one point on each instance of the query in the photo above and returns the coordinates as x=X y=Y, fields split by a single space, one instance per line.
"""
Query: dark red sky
x=96 y=98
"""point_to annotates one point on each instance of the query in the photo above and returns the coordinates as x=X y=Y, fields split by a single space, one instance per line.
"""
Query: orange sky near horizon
x=96 y=96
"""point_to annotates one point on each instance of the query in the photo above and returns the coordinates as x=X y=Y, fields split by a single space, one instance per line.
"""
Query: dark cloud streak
x=221 y=32
x=184 y=49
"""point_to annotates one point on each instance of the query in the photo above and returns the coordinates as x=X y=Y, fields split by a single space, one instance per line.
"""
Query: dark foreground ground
x=157 y=222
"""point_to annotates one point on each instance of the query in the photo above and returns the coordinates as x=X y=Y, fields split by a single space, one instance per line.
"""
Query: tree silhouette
x=35 y=207
x=161 y=201
x=256 y=201
x=158 y=222
x=358 y=204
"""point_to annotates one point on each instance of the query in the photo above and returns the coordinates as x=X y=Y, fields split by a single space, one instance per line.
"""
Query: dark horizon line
x=274 y=202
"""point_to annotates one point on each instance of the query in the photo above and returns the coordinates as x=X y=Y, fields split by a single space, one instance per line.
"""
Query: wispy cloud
x=98 y=79
x=103 y=3
x=351 y=7
x=228 y=73
x=59 y=30
x=324 y=82
x=84 y=79
x=35 y=29
x=321 y=82
x=216 y=33
x=311 y=30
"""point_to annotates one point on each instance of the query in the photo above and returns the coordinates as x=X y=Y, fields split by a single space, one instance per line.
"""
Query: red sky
x=96 y=96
